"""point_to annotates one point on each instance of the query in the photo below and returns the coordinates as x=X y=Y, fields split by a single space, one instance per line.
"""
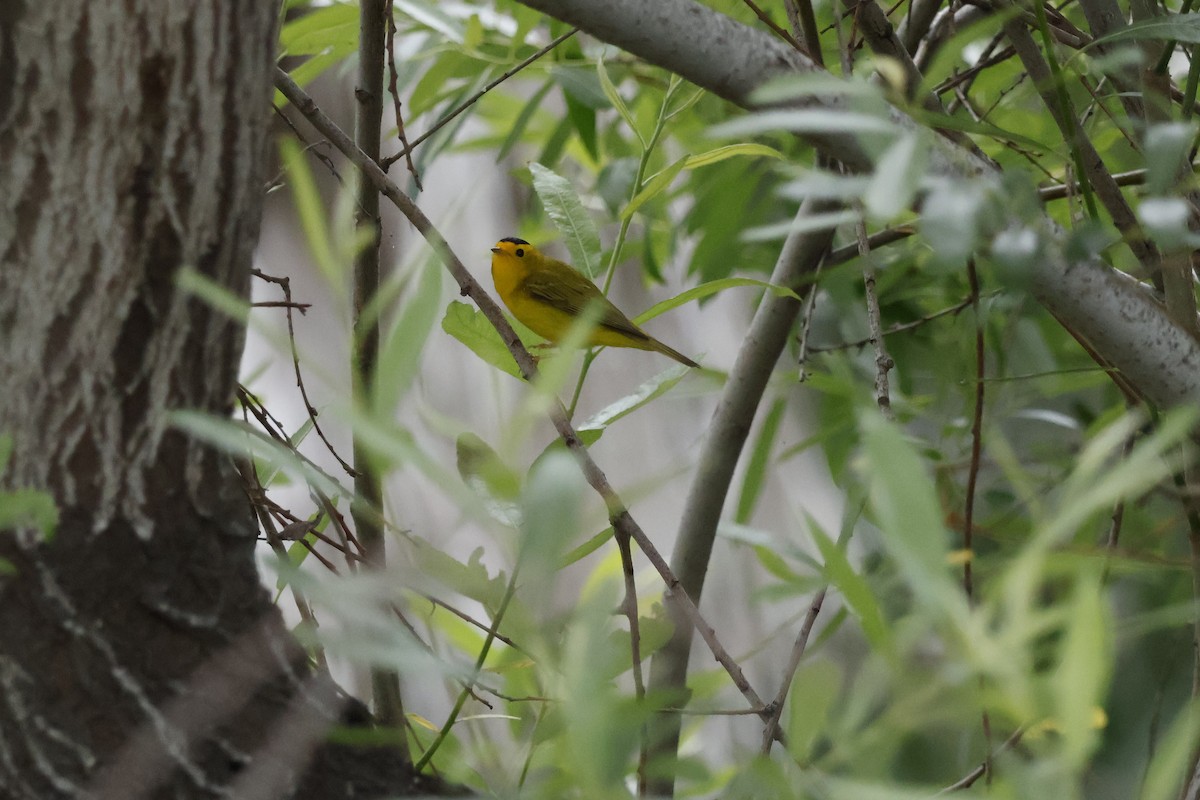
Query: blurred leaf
x=760 y=457
x=568 y=214
x=1166 y=148
x=400 y=352
x=517 y=130
x=810 y=223
x=241 y=440
x=1172 y=757
x=332 y=29
x=897 y=178
x=310 y=207
x=815 y=689
x=949 y=220
x=482 y=469
x=855 y=589
x=1081 y=681
x=809 y=120
x=907 y=512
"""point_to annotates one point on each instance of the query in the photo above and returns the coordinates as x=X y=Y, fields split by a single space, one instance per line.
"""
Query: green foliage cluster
x=1068 y=667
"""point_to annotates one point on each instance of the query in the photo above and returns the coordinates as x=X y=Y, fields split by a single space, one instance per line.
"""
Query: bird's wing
x=569 y=290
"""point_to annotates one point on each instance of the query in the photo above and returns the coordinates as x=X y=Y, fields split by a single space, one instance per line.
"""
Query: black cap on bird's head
x=512 y=245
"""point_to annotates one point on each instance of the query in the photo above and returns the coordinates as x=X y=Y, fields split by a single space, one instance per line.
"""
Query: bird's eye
x=520 y=253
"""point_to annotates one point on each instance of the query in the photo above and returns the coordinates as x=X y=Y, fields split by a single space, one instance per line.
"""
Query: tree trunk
x=139 y=655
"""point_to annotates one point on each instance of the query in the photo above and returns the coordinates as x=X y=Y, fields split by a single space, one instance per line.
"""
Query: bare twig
x=798 y=648
x=393 y=79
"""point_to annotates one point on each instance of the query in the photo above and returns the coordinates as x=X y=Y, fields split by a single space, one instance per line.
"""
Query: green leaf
x=214 y=294
x=614 y=97
x=309 y=206
x=854 y=589
x=587 y=548
x=517 y=129
x=908 y=513
x=808 y=120
x=897 y=177
x=710 y=288
x=1172 y=756
x=482 y=469
x=655 y=387
x=400 y=353
x=664 y=178
x=332 y=29
x=565 y=209
x=581 y=83
x=467 y=324
x=583 y=118
x=760 y=459
x=815 y=687
x=655 y=185
x=809 y=224
x=730 y=151
x=1085 y=663
x=27 y=508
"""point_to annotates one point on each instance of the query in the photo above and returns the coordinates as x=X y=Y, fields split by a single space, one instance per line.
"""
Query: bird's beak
x=497 y=250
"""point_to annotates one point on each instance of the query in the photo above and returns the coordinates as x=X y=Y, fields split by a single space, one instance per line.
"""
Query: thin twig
x=798 y=648
x=968 y=780
x=778 y=31
x=393 y=80
x=285 y=285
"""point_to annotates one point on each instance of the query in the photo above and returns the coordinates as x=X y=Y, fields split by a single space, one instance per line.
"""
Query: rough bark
x=139 y=655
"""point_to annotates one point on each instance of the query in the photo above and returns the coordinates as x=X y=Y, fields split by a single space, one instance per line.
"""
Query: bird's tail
x=659 y=347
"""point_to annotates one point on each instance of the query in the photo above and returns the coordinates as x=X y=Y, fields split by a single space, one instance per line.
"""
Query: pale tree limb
x=764 y=342
x=1118 y=316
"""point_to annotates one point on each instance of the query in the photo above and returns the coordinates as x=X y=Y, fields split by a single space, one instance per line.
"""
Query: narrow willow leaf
x=730 y=151
x=614 y=97
x=309 y=206
x=322 y=30
x=710 y=288
x=400 y=353
x=655 y=185
x=760 y=459
x=897 y=178
x=565 y=209
x=854 y=588
x=808 y=120
x=907 y=512
x=655 y=387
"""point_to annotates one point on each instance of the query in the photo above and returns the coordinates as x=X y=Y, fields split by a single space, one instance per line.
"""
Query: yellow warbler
x=547 y=296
